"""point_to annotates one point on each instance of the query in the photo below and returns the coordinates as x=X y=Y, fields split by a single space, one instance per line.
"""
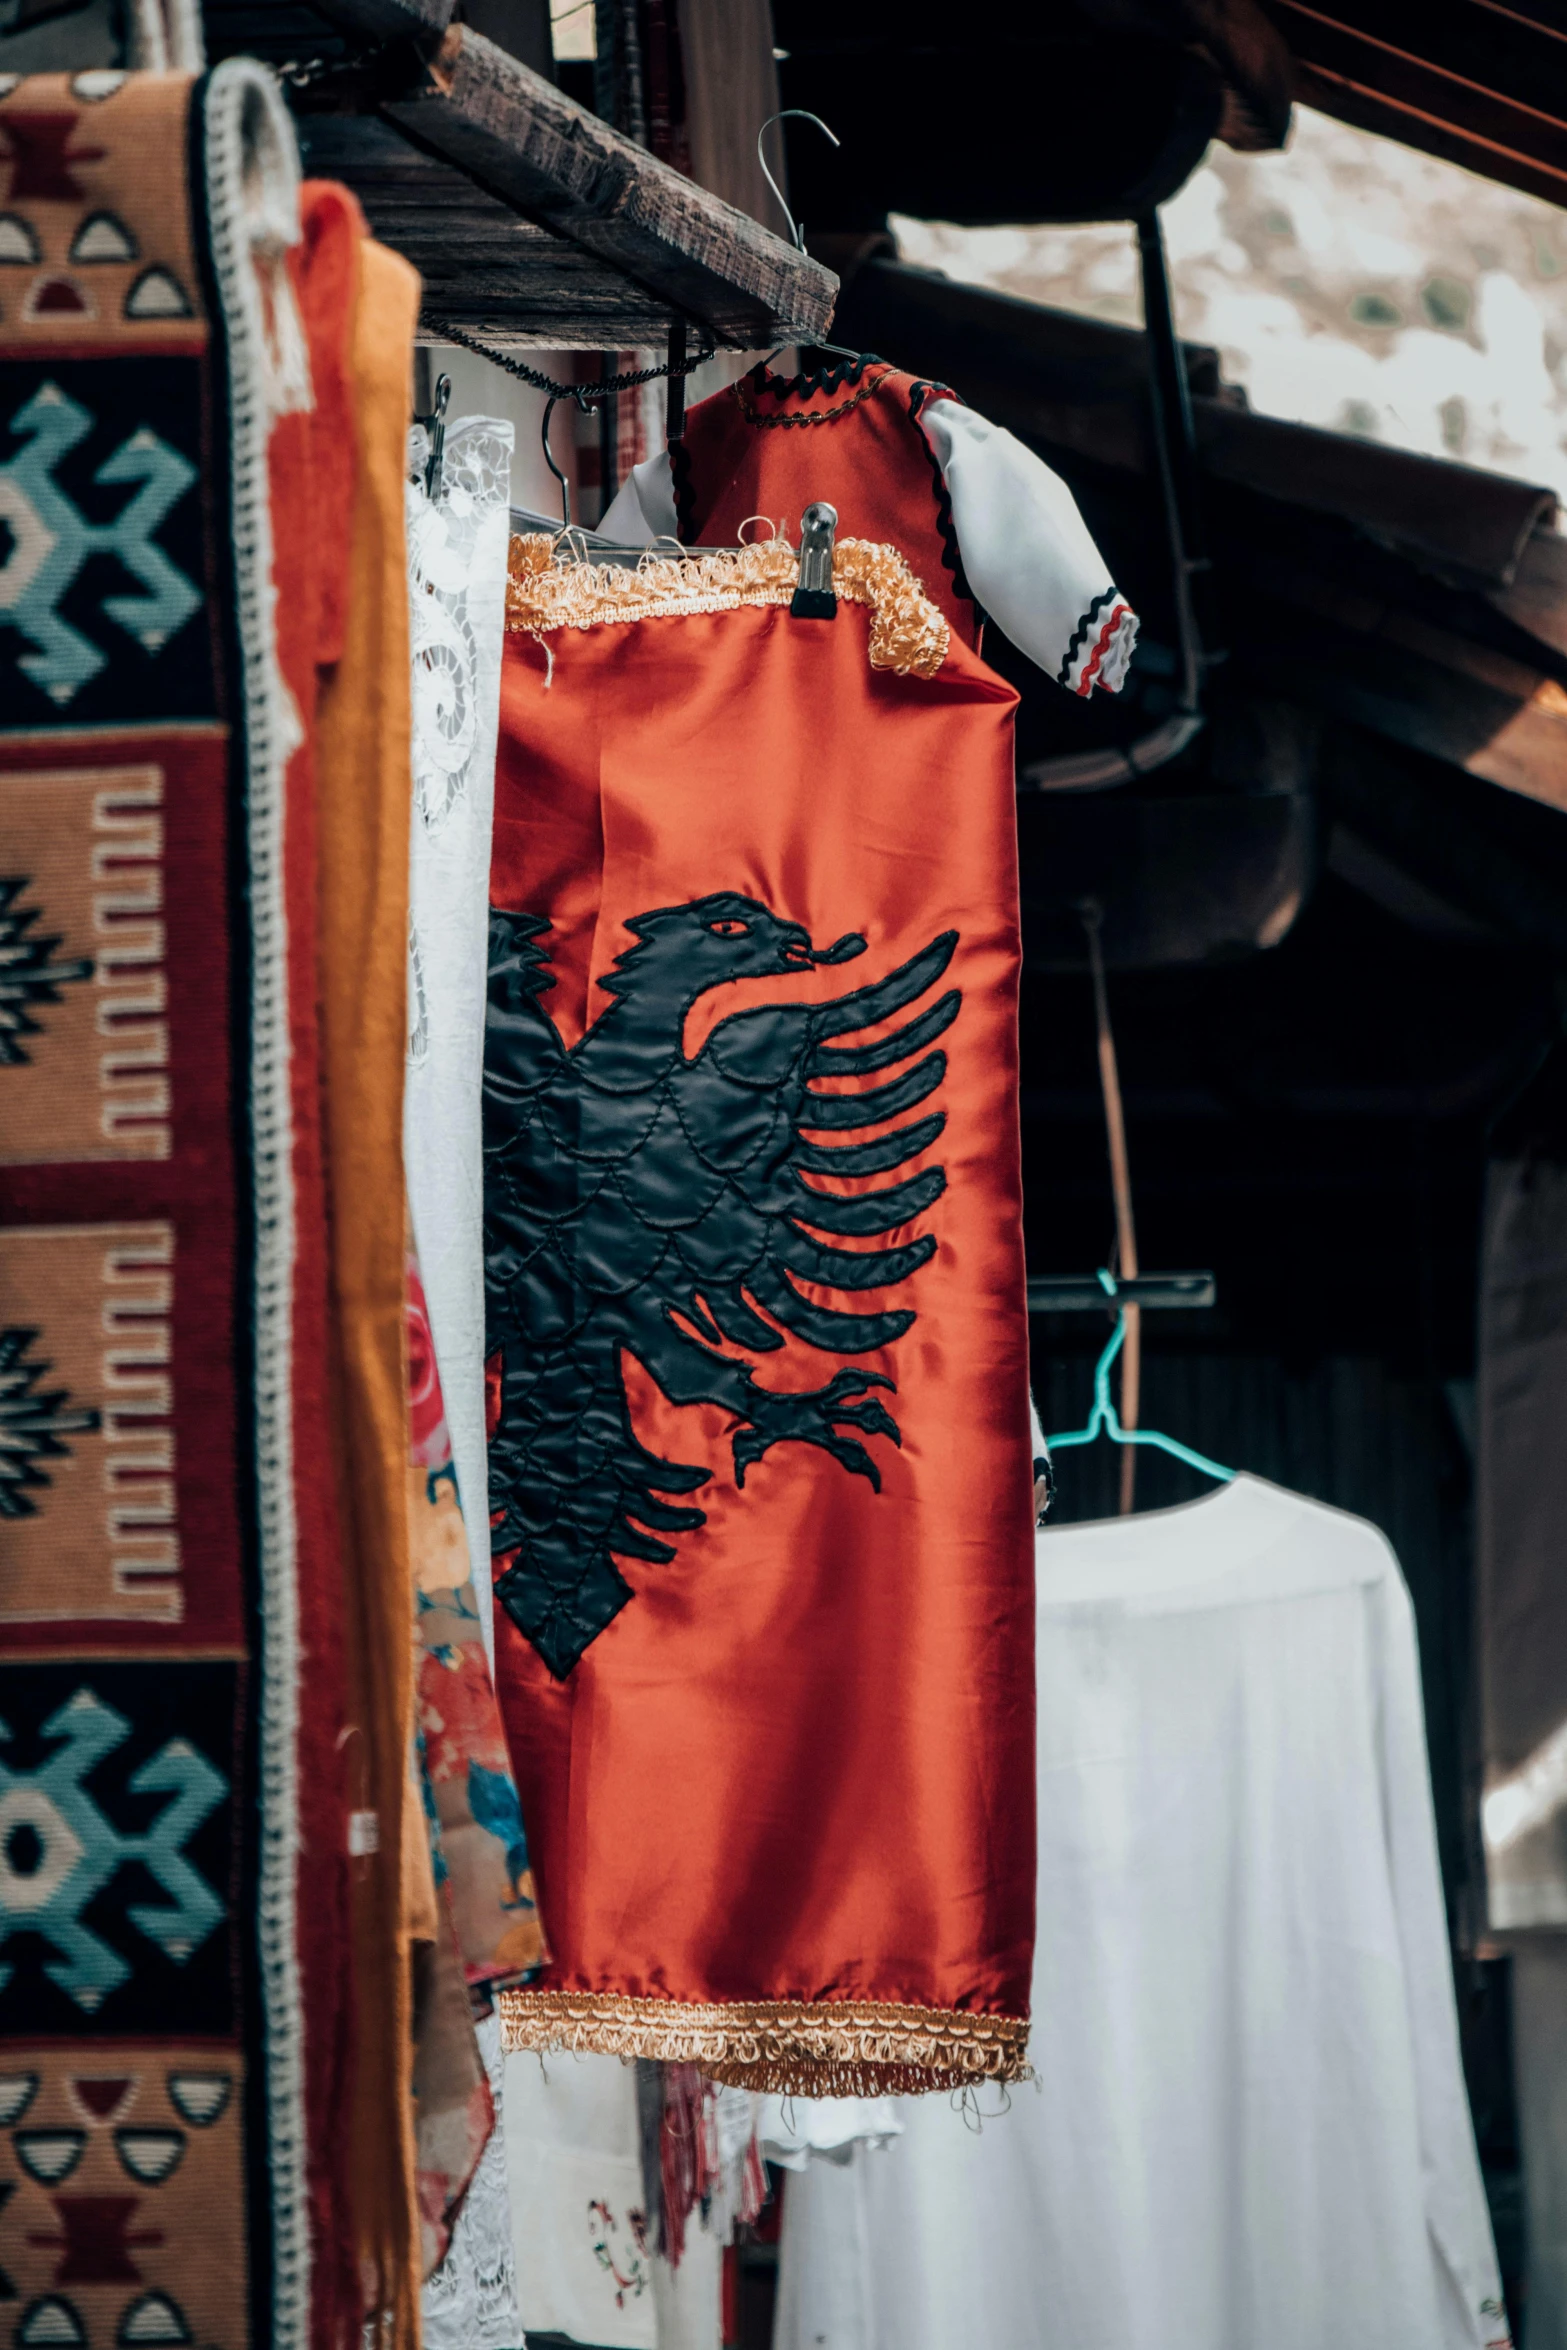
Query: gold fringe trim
x=908 y=634
x=830 y=2048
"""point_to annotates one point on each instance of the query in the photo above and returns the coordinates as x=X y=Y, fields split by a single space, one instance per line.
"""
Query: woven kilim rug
x=159 y=1242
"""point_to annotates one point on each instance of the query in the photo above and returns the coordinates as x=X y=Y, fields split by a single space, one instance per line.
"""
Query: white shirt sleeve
x=1027 y=553
x=1469 y=2291
x=643 y=508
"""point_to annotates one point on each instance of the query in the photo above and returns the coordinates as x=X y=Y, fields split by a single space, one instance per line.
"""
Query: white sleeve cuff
x=1027 y=554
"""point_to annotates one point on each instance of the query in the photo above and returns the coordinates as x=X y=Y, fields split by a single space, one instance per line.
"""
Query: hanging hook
x=435 y=426
x=790 y=114
x=549 y=458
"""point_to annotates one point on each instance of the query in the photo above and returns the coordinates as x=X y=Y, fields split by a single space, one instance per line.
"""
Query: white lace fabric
x=470 y=2303
x=457 y=545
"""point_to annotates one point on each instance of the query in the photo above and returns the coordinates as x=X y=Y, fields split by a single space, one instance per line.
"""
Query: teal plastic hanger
x=1105 y=1420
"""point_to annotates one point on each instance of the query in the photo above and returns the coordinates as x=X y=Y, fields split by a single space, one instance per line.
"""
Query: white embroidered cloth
x=584 y=2267
x=573 y=2149
x=457 y=595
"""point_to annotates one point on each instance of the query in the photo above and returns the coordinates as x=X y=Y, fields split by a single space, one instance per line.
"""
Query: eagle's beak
x=842 y=950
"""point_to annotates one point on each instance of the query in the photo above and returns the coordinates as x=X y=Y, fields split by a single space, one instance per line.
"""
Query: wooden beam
x=679 y=249
x=505 y=279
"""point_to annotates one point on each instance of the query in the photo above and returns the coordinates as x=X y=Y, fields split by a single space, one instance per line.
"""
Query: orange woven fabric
x=365 y=789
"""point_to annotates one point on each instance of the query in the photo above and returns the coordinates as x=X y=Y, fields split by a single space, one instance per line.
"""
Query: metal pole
x=1121 y=1189
x=1175 y=454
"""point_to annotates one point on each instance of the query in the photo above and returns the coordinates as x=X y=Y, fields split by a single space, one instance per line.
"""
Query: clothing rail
x=1077 y=1293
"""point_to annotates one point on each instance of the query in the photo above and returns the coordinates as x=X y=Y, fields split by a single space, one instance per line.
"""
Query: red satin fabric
x=798 y=1765
x=863 y=452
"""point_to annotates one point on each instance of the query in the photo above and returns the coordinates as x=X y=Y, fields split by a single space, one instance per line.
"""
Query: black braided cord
x=585 y=395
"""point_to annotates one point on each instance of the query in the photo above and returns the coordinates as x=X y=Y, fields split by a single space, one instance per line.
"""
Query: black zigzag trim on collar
x=920 y=394
x=830 y=378
x=1080 y=634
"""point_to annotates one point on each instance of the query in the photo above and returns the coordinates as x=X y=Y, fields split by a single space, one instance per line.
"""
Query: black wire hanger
x=585 y=397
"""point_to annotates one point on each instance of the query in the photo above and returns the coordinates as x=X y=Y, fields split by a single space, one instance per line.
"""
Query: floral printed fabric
x=485 y=1930
x=478 y=1843
x=454 y=2106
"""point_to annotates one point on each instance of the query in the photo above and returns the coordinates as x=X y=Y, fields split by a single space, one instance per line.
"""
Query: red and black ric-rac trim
x=1080 y=633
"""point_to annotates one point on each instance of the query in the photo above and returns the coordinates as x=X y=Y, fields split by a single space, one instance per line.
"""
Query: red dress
x=760 y=1463
x=848 y=434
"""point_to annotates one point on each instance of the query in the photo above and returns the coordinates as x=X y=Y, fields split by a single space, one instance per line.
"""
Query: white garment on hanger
x=1539 y=2037
x=579 y=2223
x=643 y=508
x=457 y=547
x=1026 y=550
x=574 y=2160
x=829 y=2274
x=1250 y=2126
x=689 y=2300
x=794 y=2130
x=735 y=2114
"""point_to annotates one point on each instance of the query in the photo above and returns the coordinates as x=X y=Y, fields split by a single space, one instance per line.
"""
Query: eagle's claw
x=814 y=1418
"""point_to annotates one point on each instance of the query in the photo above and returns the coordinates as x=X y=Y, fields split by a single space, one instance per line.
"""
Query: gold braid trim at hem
x=832 y=2048
x=908 y=634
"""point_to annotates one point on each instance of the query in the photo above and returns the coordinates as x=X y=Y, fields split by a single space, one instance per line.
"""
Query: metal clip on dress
x=813 y=599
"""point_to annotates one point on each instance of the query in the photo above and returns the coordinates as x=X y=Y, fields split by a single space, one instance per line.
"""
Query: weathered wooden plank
x=520 y=138
x=507 y=279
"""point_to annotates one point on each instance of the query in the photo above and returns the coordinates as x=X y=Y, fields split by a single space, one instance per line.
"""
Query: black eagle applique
x=642 y=1203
